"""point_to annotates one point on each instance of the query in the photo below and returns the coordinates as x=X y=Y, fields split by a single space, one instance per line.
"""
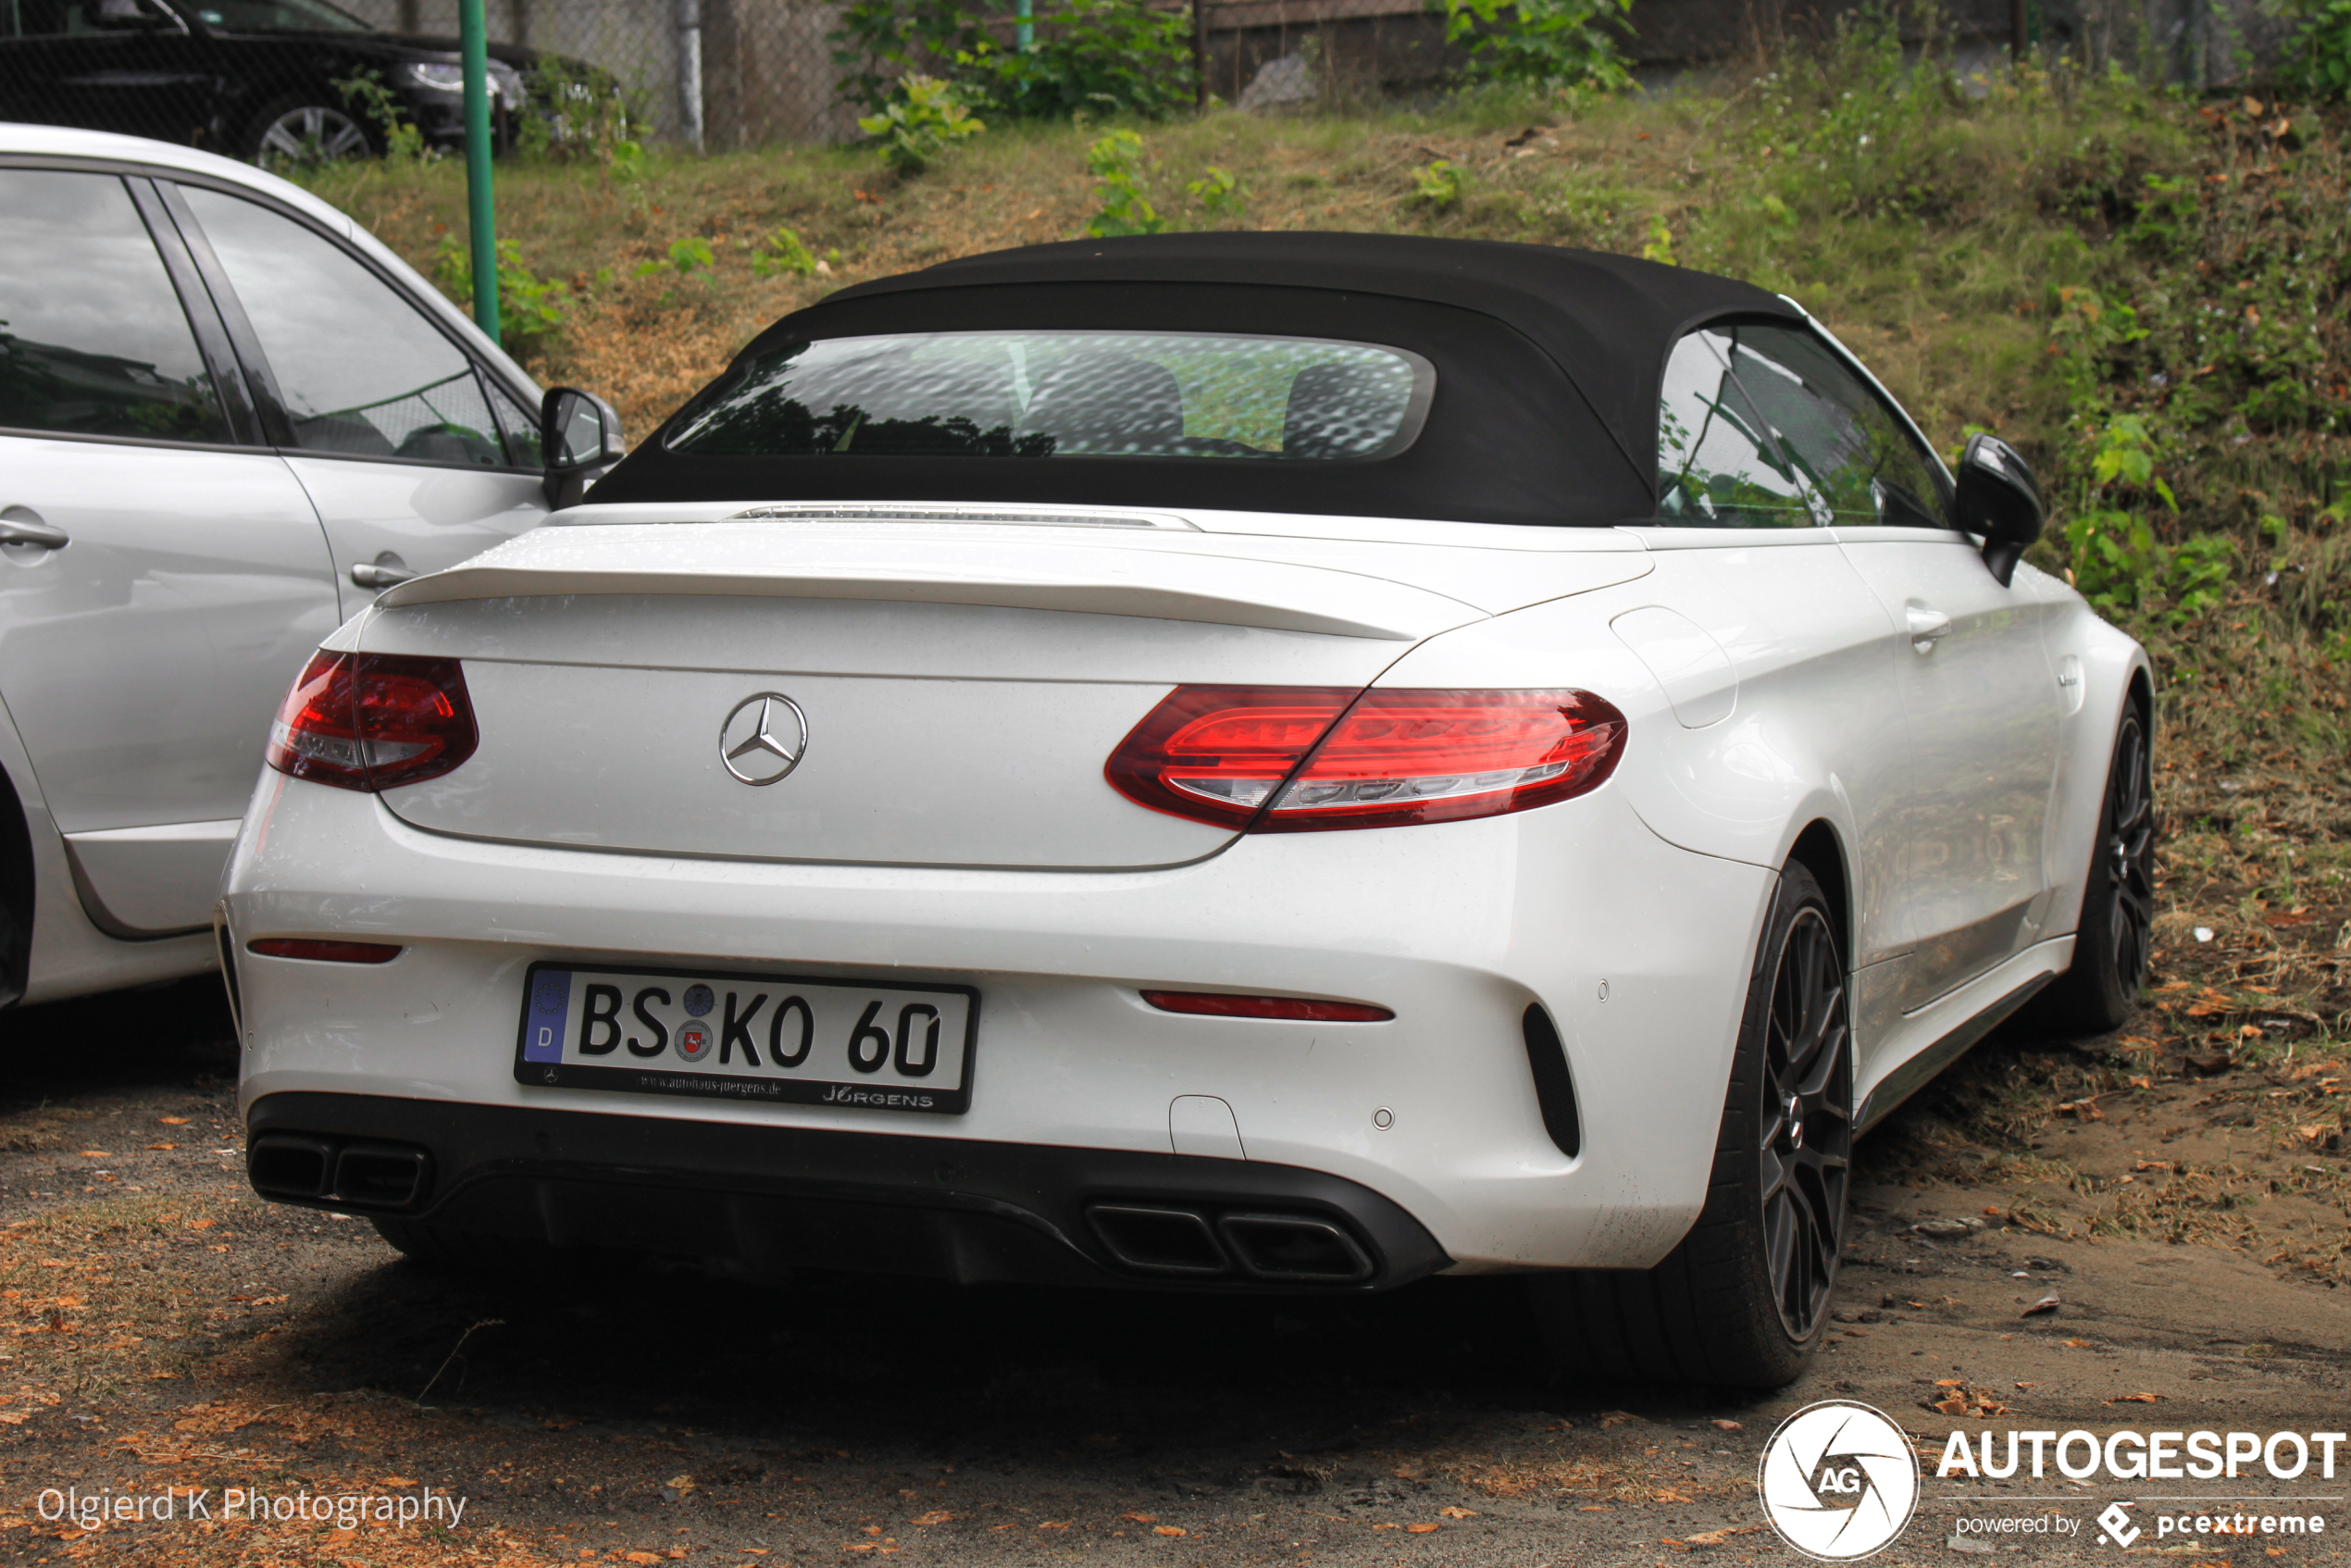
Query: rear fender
x=2111 y=671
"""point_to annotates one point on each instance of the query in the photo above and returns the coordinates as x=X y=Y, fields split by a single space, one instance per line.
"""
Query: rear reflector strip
x=1216 y=1004
x=323 y=953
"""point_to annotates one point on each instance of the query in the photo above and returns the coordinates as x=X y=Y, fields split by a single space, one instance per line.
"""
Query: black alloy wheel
x=2114 y=942
x=2127 y=844
x=1805 y=1163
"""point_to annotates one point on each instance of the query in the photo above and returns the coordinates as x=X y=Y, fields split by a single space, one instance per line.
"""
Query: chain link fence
x=728 y=74
x=765 y=67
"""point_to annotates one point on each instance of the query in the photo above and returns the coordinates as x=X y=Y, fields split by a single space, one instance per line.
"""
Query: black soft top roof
x=1608 y=320
x=1550 y=364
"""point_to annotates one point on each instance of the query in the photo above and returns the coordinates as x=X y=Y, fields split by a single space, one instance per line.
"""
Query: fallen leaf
x=2134 y=1399
x=564 y=1423
x=394 y=1481
x=1140 y=1518
x=202 y=1225
x=1421 y=1529
x=94 y=1154
x=936 y=1516
x=1950 y=1383
x=2079 y=1344
x=1457 y=1512
x=640 y=1557
x=680 y=1484
x=1054 y=1525
x=1616 y=1418
x=1166 y=1530
x=163 y=1146
x=1667 y=1494
x=1597 y=1507
x=1719 y=1537
x=1721 y=1425
x=173 y=1121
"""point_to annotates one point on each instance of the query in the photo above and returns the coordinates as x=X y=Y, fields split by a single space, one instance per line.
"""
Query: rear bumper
x=1638 y=951
x=776 y=1197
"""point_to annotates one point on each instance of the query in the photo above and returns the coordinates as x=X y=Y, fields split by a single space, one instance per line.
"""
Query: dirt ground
x=165 y=1330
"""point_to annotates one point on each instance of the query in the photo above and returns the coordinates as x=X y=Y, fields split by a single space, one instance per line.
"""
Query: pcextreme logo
x=1838 y=1481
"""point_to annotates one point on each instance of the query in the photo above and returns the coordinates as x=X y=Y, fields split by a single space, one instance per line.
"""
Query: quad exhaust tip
x=1289 y=1249
x=304 y=1168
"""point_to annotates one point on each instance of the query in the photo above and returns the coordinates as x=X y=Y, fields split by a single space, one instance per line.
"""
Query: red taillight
x=1216 y=753
x=322 y=952
x=1304 y=759
x=1217 y=1004
x=372 y=721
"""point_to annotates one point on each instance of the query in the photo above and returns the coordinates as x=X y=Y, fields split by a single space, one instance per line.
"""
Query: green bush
x=1548 y=44
x=367 y=94
x=1102 y=58
x=922 y=119
x=1437 y=184
x=532 y=311
x=2318 y=57
x=782 y=254
x=1115 y=160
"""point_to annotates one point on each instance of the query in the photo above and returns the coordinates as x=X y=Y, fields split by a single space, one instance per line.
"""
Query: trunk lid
x=954 y=688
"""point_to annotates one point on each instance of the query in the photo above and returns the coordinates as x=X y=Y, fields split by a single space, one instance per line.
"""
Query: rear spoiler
x=1127 y=577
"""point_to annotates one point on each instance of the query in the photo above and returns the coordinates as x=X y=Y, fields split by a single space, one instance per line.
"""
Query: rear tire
x=1743 y=1300
x=2113 y=942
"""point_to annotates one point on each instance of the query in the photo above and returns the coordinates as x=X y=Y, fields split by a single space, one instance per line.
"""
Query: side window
x=520 y=423
x=1858 y=459
x=360 y=369
x=1717 y=465
x=92 y=338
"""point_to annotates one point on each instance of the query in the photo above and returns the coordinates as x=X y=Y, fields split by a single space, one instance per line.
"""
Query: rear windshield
x=1214 y=396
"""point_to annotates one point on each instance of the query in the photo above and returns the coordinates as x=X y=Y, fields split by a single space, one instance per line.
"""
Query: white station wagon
x=229 y=417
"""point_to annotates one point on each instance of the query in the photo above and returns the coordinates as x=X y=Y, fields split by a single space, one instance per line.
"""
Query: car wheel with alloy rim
x=296 y=130
x=2112 y=943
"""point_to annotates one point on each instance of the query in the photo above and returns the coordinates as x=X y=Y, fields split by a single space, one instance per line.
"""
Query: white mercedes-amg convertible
x=1220 y=762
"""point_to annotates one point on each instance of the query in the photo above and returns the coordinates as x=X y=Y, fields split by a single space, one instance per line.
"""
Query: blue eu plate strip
x=550 y=1010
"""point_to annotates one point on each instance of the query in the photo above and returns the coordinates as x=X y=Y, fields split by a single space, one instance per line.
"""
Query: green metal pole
x=473 y=39
x=1025 y=25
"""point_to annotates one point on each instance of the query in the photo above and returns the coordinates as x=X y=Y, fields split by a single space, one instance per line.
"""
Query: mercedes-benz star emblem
x=764 y=738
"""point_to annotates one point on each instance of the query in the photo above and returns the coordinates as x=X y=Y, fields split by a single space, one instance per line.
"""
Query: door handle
x=387 y=570
x=1927 y=627
x=22 y=525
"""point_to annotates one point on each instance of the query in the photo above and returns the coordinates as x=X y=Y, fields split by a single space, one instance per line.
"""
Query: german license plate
x=724 y=1035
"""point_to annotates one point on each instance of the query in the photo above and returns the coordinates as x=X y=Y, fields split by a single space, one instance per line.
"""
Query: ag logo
x=692 y=1041
x=2116 y=1526
x=1838 y=1481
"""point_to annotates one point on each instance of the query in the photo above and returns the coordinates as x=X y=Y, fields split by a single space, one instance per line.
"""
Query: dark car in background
x=254 y=79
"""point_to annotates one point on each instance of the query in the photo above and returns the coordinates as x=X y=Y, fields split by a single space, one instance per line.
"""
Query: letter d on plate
x=550 y=1010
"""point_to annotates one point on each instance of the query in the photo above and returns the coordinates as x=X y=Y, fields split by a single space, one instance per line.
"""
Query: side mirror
x=579 y=435
x=1999 y=499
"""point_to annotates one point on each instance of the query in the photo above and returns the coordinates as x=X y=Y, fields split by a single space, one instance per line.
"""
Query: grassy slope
x=2032 y=256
